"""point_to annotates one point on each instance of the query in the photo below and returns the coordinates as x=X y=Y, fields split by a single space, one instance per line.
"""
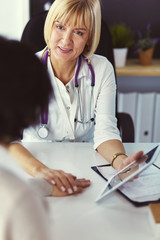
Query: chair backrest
x=33 y=36
x=126 y=127
x=33 y=32
x=105 y=47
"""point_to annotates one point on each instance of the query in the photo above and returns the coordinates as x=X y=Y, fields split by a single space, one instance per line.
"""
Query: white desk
x=79 y=217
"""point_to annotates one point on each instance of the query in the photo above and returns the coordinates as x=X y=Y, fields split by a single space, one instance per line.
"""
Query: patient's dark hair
x=25 y=88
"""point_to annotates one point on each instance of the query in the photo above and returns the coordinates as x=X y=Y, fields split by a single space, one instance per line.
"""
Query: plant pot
x=120 y=56
x=145 y=57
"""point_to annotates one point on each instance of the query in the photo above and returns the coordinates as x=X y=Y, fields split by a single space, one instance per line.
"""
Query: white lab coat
x=64 y=106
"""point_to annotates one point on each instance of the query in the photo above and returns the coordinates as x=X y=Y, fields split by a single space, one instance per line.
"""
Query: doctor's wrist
x=117 y=159
x=40 y=171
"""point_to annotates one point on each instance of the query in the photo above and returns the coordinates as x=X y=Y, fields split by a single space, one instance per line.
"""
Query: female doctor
x=83 y=106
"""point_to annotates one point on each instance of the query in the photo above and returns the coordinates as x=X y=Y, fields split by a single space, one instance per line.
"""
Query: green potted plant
x=122 y=39
x=145 y=46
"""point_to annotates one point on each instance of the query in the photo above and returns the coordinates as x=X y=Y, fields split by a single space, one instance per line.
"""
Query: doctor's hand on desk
x=64 y=183
x=81 y=183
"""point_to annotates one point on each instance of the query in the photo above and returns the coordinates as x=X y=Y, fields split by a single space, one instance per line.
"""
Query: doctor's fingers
x=65 y=182
x=140 y=158
x=131 y=158
x=58 y=193
x=137 y=156
x=55 y=176
x=49 y=174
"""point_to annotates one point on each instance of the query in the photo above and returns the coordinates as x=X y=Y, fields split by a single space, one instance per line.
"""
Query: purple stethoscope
x=43 y=130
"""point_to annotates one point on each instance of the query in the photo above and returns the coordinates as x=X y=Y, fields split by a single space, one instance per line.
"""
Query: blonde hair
x=88 y=11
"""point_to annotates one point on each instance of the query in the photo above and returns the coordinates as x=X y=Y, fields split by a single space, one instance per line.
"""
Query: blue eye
x=79 y=33
x=59 y=27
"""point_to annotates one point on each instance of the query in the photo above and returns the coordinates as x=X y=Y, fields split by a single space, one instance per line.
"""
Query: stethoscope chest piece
x=43 y=131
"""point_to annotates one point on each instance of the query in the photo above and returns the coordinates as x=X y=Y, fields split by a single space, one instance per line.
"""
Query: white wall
x=14 y=14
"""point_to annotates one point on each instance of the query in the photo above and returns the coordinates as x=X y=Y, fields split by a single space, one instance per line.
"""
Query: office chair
x=33 y=32
x=126 y=126
x=33 y=36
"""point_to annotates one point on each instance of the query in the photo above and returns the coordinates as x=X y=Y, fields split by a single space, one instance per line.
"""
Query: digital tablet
x=118 y=179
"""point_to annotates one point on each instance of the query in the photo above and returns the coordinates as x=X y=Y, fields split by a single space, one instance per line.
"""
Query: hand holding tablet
x=129 y=172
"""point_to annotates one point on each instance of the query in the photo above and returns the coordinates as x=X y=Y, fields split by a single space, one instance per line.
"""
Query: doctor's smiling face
x=68 y=41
